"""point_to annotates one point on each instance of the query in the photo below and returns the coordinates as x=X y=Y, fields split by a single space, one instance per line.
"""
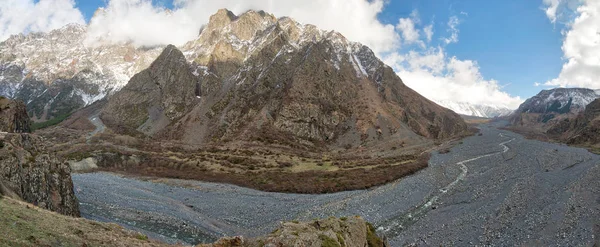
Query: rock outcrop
x=259 y=78
x=581 y=130
x=331 y=232
x=34 y=175
x=13 y=116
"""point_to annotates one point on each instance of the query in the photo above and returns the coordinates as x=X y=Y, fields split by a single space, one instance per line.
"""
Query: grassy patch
x=51 y=122
x=23 y=224
x=328 y=242
x=341 y=239
x=372 y=239
x=141 y=237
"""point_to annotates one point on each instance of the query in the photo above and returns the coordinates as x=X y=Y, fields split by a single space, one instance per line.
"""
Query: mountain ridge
x=551 y=106
x=59 y=72
x=295 y=79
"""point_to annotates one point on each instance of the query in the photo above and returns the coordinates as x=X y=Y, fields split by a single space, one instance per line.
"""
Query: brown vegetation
x=257 y=174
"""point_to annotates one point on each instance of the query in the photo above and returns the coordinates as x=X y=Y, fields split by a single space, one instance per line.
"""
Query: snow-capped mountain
x=477 y=110
x=55 y=73
x=549 y=107
x=559 y=100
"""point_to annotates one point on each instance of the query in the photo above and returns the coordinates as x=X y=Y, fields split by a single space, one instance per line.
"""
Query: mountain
x=476 y=110
x=258 y=78
x=551 y=106
x=57 y=73
x=581 y=130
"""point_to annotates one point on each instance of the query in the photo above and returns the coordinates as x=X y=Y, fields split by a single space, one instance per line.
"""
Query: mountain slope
x=551 y=106
x=581 y=130
x=57 y=73
x=255 y=77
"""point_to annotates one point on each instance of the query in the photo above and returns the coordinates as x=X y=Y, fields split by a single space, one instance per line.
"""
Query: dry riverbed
x=497 y=188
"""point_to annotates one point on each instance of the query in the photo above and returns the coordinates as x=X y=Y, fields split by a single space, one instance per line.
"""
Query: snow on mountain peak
x=477 y=110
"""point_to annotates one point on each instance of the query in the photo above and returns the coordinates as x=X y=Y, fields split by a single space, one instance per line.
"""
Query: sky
x=481 y=52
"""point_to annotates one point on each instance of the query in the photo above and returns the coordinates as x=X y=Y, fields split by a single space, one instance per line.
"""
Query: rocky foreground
x=28 y=171
x=494 y=189
x=24 y=224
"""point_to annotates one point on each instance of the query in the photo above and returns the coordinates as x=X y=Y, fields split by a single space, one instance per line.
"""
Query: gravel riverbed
x=494 y=189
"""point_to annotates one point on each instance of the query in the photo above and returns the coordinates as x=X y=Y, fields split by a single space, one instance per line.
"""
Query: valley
x=497 y=188
x=261 y=130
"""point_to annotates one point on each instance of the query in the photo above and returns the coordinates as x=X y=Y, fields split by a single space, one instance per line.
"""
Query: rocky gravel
x=495 y=189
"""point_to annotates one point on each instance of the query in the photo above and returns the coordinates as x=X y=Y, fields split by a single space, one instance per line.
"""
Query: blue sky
x=512 y=40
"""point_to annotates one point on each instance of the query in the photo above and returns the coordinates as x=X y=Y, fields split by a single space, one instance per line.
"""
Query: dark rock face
x=13 y=116
x=28 y=171
x=583 y=129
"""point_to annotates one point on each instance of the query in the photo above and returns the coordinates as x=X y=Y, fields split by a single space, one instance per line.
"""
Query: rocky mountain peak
x=154 y=97
x=220 y=19
x=170 y=56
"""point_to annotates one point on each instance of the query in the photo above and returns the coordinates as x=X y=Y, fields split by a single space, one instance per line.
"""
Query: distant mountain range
x=477 y=110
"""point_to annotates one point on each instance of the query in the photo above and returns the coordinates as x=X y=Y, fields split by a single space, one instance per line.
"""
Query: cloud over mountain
x=24 y=16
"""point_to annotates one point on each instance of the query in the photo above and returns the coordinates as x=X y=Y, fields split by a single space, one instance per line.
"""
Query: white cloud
x=460 y=81
x=428 y=30
x=144 y=24
x=581 y=47
x=431 y=60
x=441 y=78
x=24 y=16
x=406 y=26
x=552 y=7
x=453 y=29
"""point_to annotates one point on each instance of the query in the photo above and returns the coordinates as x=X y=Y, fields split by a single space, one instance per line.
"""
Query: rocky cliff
x=13 y=116
x=581 y=130
x=256 y=77
x=33 y=175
